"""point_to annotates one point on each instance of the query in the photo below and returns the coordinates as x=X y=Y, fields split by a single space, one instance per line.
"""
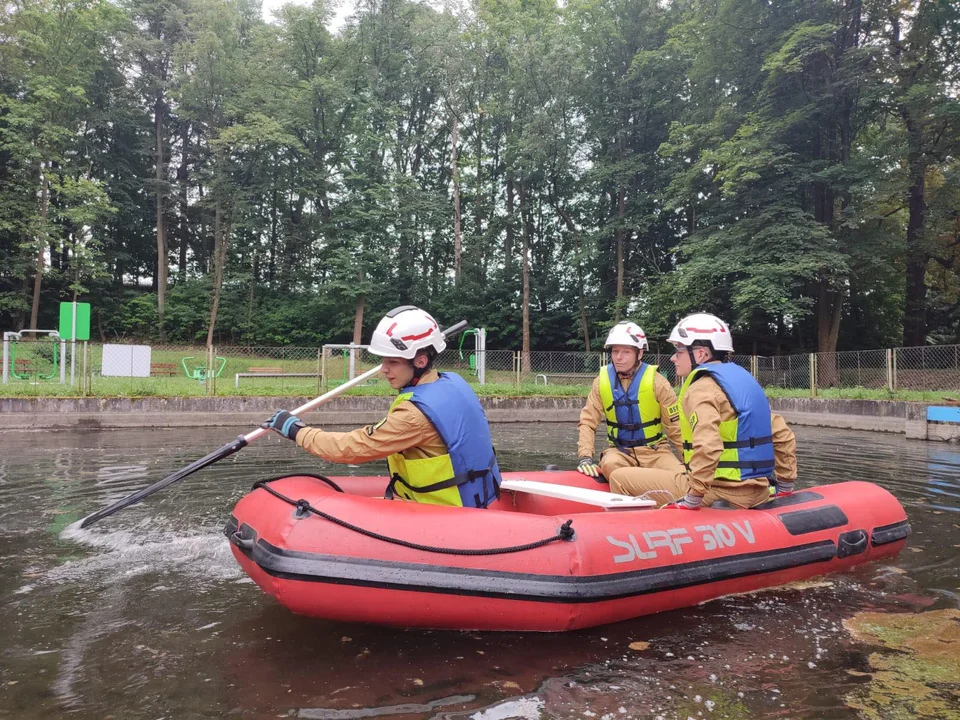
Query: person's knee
x=669 y=462
x=618 y=480
x=609 y=464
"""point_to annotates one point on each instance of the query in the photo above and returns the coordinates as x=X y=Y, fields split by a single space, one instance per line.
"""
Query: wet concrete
x=145 y=615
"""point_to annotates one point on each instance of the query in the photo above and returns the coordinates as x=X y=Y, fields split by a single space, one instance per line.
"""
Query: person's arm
x=669 y=411
x=704 y=415
x=404 y=428
x=590 y=418
x=784 y=454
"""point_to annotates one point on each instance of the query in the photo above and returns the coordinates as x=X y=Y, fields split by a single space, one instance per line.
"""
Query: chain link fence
x=930 y=368
x=783 y=371
x=559 y=368
x=46 y=366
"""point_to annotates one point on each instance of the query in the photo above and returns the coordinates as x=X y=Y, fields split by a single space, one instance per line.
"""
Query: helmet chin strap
x=417 y=373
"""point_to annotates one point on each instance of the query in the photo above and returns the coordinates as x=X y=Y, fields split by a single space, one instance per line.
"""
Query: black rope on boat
x=564 y=532
x=321 y=478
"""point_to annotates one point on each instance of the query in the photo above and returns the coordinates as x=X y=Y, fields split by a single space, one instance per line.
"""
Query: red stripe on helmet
x=704 y=330
x=418 y=337
x=390 y=330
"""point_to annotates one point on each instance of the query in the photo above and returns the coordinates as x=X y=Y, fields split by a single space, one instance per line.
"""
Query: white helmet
x=405 y=330
x=627 y=333
x=702 y=326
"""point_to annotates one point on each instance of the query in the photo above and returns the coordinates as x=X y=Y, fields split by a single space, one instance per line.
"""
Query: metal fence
x=49 y=367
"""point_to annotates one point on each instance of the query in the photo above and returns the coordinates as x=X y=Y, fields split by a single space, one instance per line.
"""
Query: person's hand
x=287 y=424
x=588 y=467
x=688 y=502
x=784 y=488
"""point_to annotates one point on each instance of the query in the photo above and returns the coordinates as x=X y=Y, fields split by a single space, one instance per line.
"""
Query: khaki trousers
x=616 y=464
x=665 y=486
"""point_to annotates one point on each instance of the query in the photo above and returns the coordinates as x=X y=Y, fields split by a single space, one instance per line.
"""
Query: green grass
x=182 y=386
x=255 y=387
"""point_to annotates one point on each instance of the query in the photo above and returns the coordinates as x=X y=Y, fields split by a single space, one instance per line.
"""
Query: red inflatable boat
x=552 y=557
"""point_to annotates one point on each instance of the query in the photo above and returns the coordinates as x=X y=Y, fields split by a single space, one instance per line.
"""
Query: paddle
x=238 y=444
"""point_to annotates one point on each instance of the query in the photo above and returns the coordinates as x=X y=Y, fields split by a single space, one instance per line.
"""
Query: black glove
x=284 y=423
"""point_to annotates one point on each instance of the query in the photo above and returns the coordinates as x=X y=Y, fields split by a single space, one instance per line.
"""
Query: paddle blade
x=229 y=449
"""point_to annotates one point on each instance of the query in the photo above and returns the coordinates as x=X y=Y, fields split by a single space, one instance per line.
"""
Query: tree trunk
x=272 y=258
x=829 y=305
x=508 y=241
x=183 y=177
x=162 y=260
x=254 y=273
x=478 y=200
x=221 y=238
x=358 y=316
x=527 y=233
x=457 y=240
x=621 y=212
x=38 y=275
x=568 y=221
x=915 y=315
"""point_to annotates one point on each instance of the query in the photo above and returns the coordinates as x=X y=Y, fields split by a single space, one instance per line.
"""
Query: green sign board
x=67 y=321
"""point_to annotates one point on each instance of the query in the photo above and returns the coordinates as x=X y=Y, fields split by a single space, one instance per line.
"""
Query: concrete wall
x=247 y=412
x=44 y=413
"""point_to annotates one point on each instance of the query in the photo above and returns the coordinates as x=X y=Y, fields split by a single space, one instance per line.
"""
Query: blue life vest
x=468 y=475
x=747 y=440
x=633 y=415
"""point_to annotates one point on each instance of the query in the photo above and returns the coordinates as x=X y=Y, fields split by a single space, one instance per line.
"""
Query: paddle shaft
x=237 y=444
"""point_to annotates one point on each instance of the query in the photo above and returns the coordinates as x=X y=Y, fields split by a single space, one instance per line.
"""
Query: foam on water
x=201 y=553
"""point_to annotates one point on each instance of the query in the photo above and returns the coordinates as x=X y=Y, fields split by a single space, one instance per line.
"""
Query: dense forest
x=541 y=169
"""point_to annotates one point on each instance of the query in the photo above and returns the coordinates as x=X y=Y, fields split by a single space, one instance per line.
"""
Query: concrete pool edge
x=910 y=418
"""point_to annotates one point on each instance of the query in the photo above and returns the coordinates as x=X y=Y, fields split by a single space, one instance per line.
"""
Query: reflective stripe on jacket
x=633 y=415
x=748 y=438
x=468 y=474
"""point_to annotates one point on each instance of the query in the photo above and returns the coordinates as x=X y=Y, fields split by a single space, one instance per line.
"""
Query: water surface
x=146 y=615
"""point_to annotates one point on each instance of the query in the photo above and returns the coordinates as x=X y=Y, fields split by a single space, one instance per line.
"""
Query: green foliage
x=635 y=158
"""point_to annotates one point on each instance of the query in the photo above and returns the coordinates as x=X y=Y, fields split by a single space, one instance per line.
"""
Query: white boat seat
x=600 y=498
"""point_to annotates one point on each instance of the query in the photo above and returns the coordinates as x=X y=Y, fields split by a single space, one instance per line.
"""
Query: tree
x=157 y=28
x=923 y=61
x=55 y=49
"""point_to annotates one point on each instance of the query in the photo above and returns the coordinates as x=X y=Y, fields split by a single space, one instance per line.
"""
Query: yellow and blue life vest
x=468 y=475
x=748 y=438
x=633 y=415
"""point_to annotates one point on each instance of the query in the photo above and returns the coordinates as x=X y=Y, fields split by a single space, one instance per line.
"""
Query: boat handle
x=851 y=543
x=241 y=542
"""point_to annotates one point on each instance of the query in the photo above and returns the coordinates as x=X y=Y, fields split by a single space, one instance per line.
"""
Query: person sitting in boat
x=435 y=436
x=639 y=406
x=734 y=446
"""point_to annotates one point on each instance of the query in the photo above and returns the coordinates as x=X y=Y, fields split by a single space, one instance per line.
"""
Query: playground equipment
x=74 y=325
x=200 y=372
x=477 y=360
x=11 y=342
x=472 y=359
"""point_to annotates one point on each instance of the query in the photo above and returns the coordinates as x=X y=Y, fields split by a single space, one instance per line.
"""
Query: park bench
x=563 y=376
x=23 y=365
x=164 y=369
